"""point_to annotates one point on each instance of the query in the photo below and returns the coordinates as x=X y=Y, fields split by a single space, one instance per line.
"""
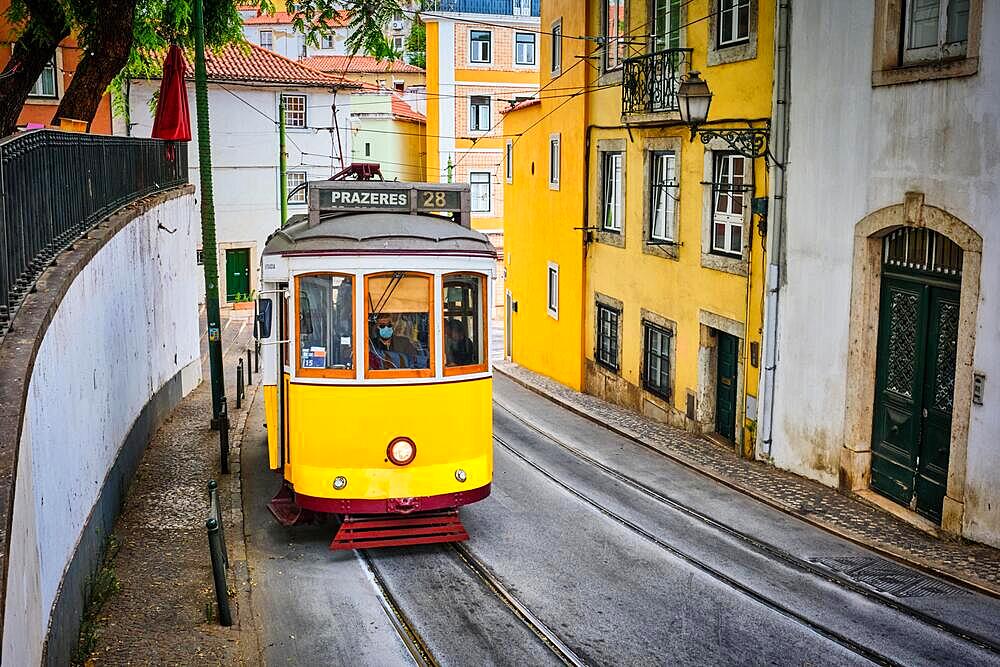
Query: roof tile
x=359 y=65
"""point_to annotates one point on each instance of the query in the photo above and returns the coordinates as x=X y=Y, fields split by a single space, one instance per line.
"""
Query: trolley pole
x=209 y=249
x=282 y=162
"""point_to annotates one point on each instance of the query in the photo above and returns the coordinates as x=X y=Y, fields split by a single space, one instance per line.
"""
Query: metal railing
x=219 y=554
x=55 y=186
x=503 y=7
x=649 y=82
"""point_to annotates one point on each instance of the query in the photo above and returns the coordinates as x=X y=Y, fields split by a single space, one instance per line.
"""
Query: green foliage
x=416 y=43
x=100 y=587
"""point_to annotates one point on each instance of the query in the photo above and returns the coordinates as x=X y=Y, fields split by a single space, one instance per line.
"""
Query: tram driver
x=388 y=350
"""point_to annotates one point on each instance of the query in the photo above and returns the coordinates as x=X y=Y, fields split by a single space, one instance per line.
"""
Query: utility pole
x=282 y=162
x=451 y=168
x=210 y=252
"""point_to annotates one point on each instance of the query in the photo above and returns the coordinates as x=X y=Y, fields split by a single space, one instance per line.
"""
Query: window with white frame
x=557 y=44
x=734 y=22
x=524 y=48
x=479 y=182
x=614 y=33
x=480 y=46
x=935 y=30
x=266 y=39
x=555 y=160
x=663 y=190
x=612 y=198
x=607 y=344
x=295 y=110
x=46 y=86
x=522 y=8
x=729 y=188
x=294 y=179
x=397 y=44
x=327 y=42
x=479 y=113
x=509 y=161
x=656 y=359
x=666 y=25
x=552 y=290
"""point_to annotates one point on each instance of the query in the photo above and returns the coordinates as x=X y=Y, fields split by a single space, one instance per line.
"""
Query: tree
x=416 y=43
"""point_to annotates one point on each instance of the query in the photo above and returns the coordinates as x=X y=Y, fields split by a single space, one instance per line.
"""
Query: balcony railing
x=54 y=186
x=649 y=83
x=502 y=7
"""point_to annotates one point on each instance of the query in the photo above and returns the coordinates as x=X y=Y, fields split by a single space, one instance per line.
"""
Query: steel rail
x=547 y=636
x=766 y=548
x=715 y=573
x=414 y=643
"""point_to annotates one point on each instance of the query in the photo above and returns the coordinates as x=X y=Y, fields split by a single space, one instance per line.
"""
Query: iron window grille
x=656 y=360
x=728 y=191
x=524 y=48
x=479 y=182
x=663 y=189
x=923 y=250
x=606 y=353
x=734 y=22
x=611 y=192
x=295 y=110
x=650 y=82
x=479 y=113
x=294 y=179
x=480 y=46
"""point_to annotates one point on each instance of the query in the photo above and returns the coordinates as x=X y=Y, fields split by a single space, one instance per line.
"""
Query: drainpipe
x=779 y=148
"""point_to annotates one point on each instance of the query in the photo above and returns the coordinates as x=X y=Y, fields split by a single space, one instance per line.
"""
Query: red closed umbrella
x=173 y=121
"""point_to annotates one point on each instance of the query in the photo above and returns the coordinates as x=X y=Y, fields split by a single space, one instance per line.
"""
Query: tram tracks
x=764 y=548
x=419 y=648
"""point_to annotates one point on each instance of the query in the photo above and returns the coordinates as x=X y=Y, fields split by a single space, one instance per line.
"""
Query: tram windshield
x=463 y=324
x=326 y=322
x=399 y=323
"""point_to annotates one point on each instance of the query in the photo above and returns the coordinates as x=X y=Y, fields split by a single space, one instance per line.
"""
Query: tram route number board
x=386 y=199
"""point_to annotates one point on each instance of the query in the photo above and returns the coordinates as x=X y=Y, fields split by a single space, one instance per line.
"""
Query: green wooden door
x=237 y=272
x=725 y=385
x=915 y=382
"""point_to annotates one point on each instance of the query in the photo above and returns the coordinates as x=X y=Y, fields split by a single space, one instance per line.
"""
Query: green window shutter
x=675 y=24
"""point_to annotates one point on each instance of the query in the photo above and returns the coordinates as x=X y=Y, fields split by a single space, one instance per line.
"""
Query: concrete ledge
x=19 y=348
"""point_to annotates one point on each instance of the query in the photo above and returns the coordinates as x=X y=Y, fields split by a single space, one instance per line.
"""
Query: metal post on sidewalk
x=224 y=438
x=239 y=383
x=256 y=356
x=215 y=549
x=249 y=367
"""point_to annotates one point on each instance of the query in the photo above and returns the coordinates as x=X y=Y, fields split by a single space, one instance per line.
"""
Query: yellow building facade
x=669 y=288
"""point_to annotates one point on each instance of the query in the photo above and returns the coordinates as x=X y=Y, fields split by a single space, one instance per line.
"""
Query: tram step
x=284 y=509
x=388 y=530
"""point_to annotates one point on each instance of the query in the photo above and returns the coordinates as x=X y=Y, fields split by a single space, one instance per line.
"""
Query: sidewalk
x=854 y=519
x=163 y=610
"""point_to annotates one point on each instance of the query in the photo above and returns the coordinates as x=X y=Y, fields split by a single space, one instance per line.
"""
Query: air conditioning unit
x=397 y=25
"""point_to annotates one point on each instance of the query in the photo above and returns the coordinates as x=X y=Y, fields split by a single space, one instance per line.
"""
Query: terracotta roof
x=257 y=64
x=359 y=65
x=403 y=111
x=522 y=105
x=342 y=18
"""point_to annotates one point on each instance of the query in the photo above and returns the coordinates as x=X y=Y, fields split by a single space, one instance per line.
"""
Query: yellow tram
x=374 y=314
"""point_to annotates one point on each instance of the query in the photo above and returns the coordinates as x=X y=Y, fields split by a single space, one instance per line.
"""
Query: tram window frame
x=396 y=373
x=339 y=373
x=482 y=324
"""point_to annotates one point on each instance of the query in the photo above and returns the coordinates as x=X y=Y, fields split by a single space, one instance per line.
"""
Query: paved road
x=595 y=550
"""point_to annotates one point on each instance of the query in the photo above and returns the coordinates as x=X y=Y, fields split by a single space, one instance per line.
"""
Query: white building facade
x=887 y=376
x=245 y=158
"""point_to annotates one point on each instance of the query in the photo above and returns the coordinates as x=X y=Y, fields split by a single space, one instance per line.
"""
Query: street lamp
x=693 y=101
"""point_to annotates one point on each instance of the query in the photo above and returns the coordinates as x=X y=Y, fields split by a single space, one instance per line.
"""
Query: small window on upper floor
x=293 y=180
x=614 y=34
x=524 y=48
x=923 y=40
x=555 y=160
x=266 y=39
x=479 y=113
x=666 y=32
x=295 y=110
x=46 y=84
x=935 y=30
x=479 y=184
x=734 y=22
x=327 y=42
x=509 y=161
x=728 y=194
x=557 y=44
x=480 y=46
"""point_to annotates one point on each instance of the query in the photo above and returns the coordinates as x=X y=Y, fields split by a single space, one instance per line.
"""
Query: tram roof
x=376 y=232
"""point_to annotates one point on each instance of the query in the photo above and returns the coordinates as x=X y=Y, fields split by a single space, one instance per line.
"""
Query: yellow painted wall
x=679 y=289
x=539 y=222
x=433 y=116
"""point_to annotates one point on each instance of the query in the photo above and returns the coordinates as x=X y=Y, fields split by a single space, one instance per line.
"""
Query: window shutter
x=674 y=37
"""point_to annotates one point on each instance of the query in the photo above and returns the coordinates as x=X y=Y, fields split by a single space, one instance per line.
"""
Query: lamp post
x=694 y=98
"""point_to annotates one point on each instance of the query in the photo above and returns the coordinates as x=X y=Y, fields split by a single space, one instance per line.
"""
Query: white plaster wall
x=856 y=149
x=127 y=324
x=245 y=153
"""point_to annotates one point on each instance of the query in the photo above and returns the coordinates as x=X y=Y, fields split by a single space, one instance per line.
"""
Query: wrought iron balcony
x=649 y=82
x=501 y=7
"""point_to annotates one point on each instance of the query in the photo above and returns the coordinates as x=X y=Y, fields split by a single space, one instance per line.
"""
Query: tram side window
x=463 y=332
x=399 y=324
x=326 y=322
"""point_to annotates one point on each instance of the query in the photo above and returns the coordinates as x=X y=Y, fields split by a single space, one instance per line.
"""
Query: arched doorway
x=915 y=368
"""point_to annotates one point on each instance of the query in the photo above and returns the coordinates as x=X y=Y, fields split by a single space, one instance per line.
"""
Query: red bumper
x=392 y=505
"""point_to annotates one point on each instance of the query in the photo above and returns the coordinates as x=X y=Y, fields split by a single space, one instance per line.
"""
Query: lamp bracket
x=750 y=142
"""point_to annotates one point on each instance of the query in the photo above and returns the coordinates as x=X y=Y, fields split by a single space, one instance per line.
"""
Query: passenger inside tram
x=389 y=348
x=399 y=307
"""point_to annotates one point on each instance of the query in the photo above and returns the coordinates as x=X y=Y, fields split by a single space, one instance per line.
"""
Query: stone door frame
x=856 y=455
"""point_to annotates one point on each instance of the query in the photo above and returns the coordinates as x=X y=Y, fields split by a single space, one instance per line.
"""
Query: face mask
x=385 y=331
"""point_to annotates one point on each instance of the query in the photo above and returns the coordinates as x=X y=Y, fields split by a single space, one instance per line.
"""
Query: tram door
x=915 y=376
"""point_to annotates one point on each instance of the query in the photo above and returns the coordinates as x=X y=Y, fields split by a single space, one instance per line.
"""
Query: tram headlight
x=460 y=475
x=339 y=482
x=401 y=451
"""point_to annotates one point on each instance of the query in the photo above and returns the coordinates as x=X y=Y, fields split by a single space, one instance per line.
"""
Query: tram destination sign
x=389 y=197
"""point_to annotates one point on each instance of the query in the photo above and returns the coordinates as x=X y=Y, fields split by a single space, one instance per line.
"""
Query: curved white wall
x=126 y=327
